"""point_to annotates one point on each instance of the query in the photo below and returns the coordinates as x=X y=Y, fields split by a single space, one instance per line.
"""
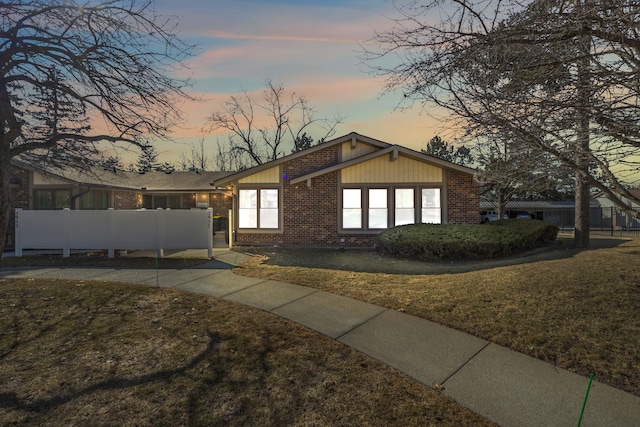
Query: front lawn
x=76 y=353
x=577 y=309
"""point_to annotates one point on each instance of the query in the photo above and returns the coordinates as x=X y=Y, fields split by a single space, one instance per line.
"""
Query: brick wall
x=309 y=218
x=19 y=198
x=463 y=199
x=221 y=204
x=310 y=214
x=126 y=200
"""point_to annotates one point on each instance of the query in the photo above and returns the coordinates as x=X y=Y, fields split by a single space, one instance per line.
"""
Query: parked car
x=521 y=215
x=486 y=216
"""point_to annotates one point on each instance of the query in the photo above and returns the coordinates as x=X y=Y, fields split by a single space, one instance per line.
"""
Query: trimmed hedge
x=448 y=241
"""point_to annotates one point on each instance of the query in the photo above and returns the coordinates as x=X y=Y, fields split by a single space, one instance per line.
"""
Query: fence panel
x=111 y=230
x=136 y=229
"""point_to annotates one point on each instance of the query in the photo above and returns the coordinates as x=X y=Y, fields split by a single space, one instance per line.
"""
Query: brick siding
x=126 y=200
x=463 y=199
x=310 y=214
x=221 y=204
x=19 y=198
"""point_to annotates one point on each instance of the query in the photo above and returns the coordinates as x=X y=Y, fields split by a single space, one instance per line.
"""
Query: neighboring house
x=560 y=213
x=345 y=191
x=620 y=219
x=98 y=188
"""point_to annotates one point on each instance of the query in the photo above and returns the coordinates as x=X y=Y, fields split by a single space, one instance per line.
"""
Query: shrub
x=449 y=241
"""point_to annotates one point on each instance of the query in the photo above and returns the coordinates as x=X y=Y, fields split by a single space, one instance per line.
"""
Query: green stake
x=584 y=405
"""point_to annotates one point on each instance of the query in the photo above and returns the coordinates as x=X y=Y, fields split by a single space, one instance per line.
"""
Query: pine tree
x=148 y=159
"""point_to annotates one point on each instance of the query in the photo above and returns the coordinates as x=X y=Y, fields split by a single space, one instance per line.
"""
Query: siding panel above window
x=382 y=169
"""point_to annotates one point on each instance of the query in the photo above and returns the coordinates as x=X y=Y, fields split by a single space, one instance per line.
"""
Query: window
x=151 y=201
x=351 y=208
x=258 y=208
x=404 y=206
x=98 y=200
x=431 y=211
x=378 y=212
x=268 y=208
x=52 y=199
x=381 y=208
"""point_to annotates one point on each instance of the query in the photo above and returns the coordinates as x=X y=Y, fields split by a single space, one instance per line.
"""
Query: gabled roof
x=392 y=150
x=385 y=148
x=100 y=177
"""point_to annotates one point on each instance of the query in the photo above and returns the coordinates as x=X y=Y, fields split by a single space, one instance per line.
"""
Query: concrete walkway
x=507 y=387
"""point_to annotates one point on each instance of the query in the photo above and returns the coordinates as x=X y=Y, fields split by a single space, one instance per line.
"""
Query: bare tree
x=559 y=76
x=289 y=117
x=512 y=170
x=108 y=60
x=196 y=159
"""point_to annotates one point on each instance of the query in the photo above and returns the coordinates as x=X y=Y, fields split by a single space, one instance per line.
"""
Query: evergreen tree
x=148 y=159
x=439 y=148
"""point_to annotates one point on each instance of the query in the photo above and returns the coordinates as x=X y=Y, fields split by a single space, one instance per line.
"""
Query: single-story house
x=344 y=192
x=98 y=188
x=620 y=220
x=604 y=214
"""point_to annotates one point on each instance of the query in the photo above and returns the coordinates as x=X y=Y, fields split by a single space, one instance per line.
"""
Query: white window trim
x=258 y=210
x=365 y=208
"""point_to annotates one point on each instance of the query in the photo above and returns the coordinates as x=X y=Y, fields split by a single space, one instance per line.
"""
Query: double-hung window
x=404 y=206
x=378 y=211
x=258 y=208
x=431 y=210
x=351 y=208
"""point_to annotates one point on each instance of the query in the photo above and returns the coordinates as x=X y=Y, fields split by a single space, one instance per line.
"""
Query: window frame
x=439 y=208
x=166 y=196
x=94 y=201
x=353 y=209
x=53 y=197
x=260 y=210
x=413 y=207
x=365 y=208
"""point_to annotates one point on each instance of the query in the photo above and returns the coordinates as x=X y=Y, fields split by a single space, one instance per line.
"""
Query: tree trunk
x=582 y=211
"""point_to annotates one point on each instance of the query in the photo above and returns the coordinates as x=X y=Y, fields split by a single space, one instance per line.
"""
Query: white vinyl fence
x=114 y=230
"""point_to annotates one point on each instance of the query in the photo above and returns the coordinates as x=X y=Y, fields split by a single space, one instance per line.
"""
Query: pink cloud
x=228 y=35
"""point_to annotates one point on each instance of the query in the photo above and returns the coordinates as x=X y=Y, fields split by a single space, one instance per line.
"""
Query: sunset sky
x=309 y=46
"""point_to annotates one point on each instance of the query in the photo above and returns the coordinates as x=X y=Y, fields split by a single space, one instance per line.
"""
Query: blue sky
x=310 y=47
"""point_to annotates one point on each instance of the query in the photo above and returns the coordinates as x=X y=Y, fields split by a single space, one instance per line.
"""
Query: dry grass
x=103 y=354
x=97 y=259
x=578 y=310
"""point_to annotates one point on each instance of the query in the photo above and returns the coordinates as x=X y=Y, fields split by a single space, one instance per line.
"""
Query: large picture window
x=258 y=208
x=381 y=208
x=404 y=206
